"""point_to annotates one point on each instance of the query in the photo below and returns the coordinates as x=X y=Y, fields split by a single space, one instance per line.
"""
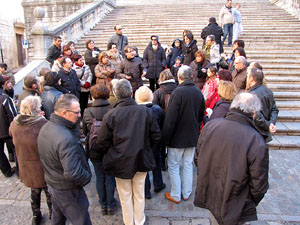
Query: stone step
x=270 y=72
x=285 y=142
x=288 y=128
x=288 y=105
x=284 y=87
x=283 y=80
x=286 y=96
x=289 y=116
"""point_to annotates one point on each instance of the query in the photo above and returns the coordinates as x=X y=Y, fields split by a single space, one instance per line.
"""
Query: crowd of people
x=202 y=107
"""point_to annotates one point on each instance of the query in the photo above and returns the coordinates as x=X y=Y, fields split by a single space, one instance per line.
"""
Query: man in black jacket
x=54 y=51
x=216 y=30
x=233 y=162
x=7 y=114
x=125 y=136
x=181 y=130
x=265 y=119
x=65 y=164
x=69 y=81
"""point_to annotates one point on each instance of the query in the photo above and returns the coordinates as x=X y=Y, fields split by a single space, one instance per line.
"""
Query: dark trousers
x=69 y=205
x=105 y=186
x=36 y=200
x=154 y=84
x=84 y=99
x=4 y=164
x=157 y=176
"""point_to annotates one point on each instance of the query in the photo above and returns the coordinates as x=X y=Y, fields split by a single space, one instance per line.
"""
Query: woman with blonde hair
x=104 y=71
x=226 y=92
x=25 y=130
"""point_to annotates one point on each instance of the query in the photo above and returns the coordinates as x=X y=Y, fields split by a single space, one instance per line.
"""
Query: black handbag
x=223 y=64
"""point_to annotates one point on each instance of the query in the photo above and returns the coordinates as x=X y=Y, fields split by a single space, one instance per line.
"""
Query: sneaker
x=185 y=199
x=168 y=196
x=156 y=190
x=104 y=211
x=111 y=211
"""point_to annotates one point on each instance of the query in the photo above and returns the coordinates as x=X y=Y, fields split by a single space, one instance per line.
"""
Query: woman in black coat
x=189 y=48
x=105 y=184
x=155 y=60
x=91 y=57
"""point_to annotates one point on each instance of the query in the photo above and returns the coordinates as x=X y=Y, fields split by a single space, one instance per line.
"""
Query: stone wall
x=291 y=6
x=55 y=11
x=11 y=23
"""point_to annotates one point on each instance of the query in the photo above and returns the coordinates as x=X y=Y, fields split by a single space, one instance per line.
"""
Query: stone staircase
x=272 y=37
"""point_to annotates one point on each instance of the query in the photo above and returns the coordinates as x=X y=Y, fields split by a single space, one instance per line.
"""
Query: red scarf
x=79 y=65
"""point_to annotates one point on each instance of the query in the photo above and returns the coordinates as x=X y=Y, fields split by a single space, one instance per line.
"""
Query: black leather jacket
x=62 y=155
x=269 y=111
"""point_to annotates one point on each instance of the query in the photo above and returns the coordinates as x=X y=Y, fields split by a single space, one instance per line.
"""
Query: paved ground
x=281 y=205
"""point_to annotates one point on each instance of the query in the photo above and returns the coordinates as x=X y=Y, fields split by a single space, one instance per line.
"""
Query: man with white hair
x=233 y=162
x=180 y=132
x=125 y=137
x=239 y=74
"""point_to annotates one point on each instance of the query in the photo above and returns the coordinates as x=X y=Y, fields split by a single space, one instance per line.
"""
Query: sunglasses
x=154 y=39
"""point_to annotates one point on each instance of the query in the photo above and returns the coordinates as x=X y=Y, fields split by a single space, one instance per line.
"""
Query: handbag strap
x=83 y=70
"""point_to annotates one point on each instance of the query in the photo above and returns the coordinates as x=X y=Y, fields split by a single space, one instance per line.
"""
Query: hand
x=144 y=73
x=272 y=128
x=86 y=85
x=128 y=77
x=203 y=70
x=42 y=113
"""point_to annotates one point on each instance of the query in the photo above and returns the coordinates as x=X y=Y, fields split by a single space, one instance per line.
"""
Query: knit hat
x=178 y=57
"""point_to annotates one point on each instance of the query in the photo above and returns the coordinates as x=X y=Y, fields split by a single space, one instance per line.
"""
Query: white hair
x=185 y=73
x=247 y=103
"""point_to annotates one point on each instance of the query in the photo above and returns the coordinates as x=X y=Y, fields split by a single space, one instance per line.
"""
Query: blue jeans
x=228 y=29
x=105 y=186
x=181 y=181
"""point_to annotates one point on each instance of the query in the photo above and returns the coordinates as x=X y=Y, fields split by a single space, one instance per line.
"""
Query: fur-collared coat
x=24 y=131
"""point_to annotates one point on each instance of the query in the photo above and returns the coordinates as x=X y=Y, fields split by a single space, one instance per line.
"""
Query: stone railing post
x=41 y=36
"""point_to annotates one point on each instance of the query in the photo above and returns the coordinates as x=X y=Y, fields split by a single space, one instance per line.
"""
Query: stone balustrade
x=291 y=6
x=70 y=28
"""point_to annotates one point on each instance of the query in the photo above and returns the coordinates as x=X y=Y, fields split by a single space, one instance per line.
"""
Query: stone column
x=41 y=36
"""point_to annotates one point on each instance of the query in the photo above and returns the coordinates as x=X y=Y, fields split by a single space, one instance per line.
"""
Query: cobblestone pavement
x=281 y=204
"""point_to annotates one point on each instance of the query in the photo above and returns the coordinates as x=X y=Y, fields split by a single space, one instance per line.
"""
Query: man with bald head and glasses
x=64 y=162
x=118 y=39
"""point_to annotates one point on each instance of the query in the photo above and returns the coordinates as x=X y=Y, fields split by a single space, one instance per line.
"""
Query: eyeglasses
x=78 y=112
x=154 y=39
x=120 y=29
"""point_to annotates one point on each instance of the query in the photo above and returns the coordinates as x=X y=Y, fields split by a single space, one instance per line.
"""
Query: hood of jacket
x=25 y=120
x=173 y=44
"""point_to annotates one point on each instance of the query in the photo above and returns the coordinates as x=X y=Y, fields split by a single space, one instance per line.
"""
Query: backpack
x=94 y=132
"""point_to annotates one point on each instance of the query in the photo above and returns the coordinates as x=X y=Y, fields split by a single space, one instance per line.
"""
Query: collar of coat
x=62 y=121
x=187 y=83
x=25 y=120
x=255 y=87
x=241 y=117
x=124 y=102
x=100 y=103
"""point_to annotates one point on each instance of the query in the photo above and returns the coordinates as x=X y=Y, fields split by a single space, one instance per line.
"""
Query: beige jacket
x=225 y=17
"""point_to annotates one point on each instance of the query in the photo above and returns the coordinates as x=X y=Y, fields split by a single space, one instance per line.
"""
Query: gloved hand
x=86 y=85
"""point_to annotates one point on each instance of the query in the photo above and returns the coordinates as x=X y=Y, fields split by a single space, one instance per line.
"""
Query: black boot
x=35 y=205
x=36 y=219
